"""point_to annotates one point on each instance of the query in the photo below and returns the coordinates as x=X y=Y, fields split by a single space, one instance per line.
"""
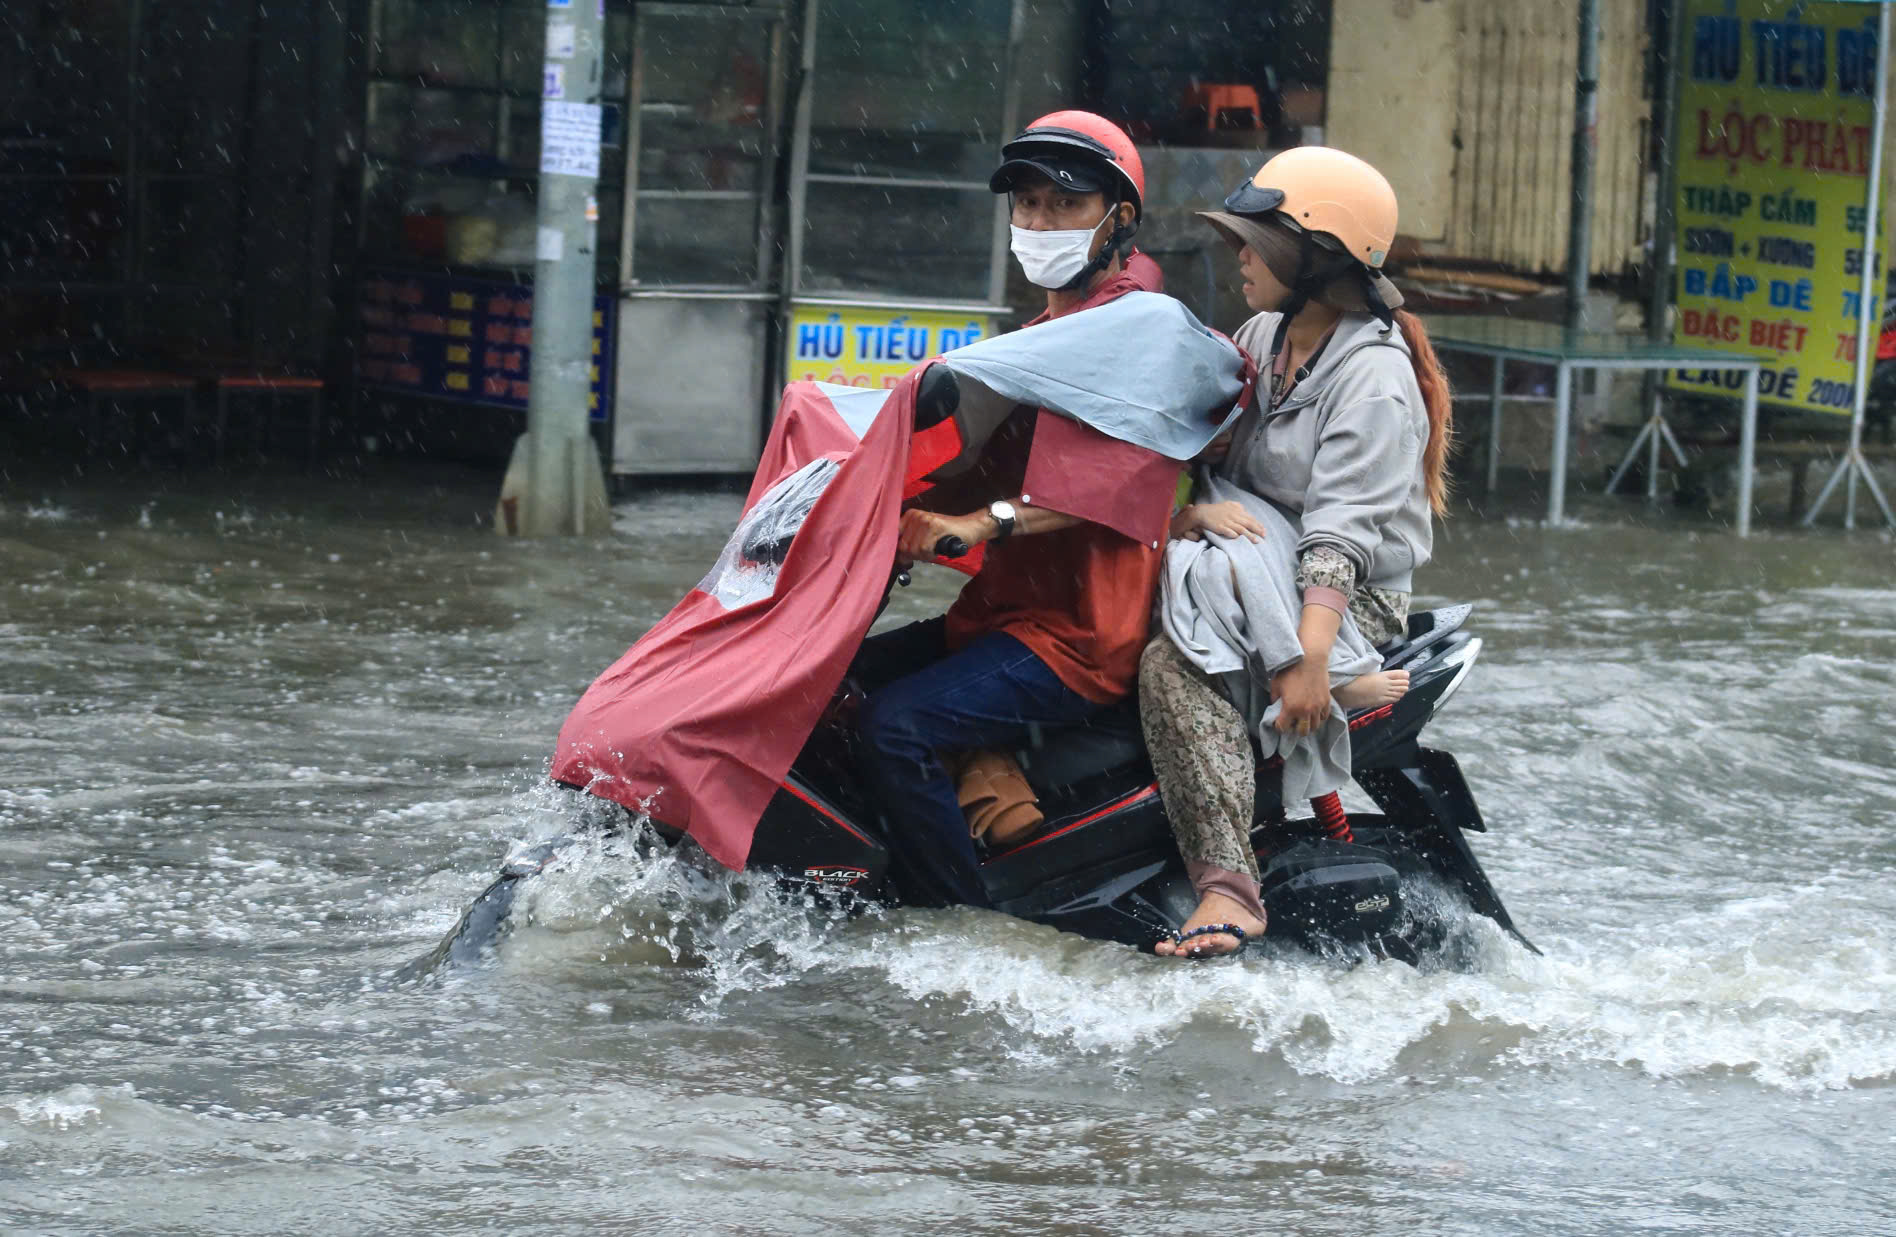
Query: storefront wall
x=800 y=189
x=165 y=177
x=1467 y=106
x=754 y=231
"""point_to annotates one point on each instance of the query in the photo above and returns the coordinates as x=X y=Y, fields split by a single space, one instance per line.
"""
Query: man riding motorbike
x=1051 y=629
x=733 y=722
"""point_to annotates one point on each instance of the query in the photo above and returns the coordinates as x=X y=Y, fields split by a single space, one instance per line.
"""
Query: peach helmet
x=1327 y=191
x=1342 y=209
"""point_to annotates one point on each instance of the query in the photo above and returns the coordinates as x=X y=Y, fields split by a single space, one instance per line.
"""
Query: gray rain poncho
x=1140 y=369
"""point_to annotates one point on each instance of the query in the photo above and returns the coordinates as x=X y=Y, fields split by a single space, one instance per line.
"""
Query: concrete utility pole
x=1664 y=222
x=554 y=483
x=1586 y=116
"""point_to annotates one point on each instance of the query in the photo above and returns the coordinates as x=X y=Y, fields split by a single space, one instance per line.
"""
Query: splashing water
x=229 y=812
x=1669 y=1011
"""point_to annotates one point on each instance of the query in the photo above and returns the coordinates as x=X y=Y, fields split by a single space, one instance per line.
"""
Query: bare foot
x=1366 y=691
x=1216 y=908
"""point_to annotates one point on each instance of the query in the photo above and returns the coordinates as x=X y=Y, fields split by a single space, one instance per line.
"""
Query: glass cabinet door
x=703 y=147
x=902 y=110
x=698 y=255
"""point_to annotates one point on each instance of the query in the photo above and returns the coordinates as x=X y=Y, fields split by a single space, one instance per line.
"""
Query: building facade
x=788 y=188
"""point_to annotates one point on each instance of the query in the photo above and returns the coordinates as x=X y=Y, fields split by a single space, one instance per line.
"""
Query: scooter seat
x=1108 y=740
x=1426 y=630
x=1112 y=738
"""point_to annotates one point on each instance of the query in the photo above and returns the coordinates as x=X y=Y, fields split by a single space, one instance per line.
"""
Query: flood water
x=261 y=742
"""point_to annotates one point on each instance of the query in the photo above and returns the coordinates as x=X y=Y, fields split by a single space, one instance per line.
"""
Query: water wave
x=1746 y=988
x=68 y=1107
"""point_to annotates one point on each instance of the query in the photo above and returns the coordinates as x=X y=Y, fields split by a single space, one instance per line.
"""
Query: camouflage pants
x=1203 y=756
x=1201 y=751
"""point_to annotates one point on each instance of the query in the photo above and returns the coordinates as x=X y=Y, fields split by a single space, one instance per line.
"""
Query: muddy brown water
x=261 y=742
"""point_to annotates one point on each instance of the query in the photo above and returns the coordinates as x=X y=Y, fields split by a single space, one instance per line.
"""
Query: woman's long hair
x=1439 y=405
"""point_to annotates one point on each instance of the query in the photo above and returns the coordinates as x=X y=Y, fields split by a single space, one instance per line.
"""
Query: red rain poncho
x=698 y=723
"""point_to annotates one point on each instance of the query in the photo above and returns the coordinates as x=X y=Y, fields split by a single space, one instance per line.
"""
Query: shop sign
x=464 y=340
x=1773 y=148
x=872 y=347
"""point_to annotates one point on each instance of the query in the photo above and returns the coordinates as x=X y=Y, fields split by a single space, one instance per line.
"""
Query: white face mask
x=1052 y=259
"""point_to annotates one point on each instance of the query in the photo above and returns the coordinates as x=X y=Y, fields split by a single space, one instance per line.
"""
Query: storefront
x=897 y=248
x=164 y=199
x=750 y=232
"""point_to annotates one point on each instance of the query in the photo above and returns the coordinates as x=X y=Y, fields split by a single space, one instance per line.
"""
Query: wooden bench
x=118 y=386
x=241 y=383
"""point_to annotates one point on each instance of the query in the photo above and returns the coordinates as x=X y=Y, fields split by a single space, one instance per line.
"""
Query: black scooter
x=1104 y=863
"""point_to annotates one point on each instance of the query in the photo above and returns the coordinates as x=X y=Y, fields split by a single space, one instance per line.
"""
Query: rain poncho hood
x=698 y=723
x=1180 y=368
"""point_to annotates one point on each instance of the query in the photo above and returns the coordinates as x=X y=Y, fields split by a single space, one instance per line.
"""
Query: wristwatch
x=1003 y=513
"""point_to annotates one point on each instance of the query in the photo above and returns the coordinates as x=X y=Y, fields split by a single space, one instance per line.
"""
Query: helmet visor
x=1065 y=172
x=1249 y=199
x=1054 y=136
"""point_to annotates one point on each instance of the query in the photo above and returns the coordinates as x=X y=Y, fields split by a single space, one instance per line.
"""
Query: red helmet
x=1079 y=150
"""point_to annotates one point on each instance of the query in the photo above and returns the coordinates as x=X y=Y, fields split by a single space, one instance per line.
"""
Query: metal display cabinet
x=452 y=135
x=698 y=244
x=897 y=248
x=447 y=222
x=883 y=235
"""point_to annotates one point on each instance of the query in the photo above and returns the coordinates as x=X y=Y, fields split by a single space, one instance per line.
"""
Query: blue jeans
x=990 y=694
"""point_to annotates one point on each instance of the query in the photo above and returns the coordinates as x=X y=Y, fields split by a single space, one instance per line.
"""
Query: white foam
x=1746 y=987
x=68 y=1107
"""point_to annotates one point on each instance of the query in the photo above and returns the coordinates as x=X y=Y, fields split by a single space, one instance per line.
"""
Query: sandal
x=1213 y=929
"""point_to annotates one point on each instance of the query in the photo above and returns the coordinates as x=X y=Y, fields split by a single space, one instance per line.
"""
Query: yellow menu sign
x=1773 y=148
x=860 y=347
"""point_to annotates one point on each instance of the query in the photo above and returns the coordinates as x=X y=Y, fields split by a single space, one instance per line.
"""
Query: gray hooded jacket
x=1230 y=605
x=1344 y=451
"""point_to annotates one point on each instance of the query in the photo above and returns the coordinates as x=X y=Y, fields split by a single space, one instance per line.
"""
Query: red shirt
x=1080 y=598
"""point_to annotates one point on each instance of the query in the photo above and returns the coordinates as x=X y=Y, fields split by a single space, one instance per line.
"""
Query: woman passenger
x=1350 y=433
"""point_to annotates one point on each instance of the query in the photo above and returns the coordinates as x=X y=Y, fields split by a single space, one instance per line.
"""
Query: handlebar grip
x=950 y=546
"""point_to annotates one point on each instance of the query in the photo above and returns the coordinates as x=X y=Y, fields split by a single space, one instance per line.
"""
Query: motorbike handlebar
x=950 y=546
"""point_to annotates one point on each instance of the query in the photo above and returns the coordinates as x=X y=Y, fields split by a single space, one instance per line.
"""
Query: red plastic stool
x=1217 y=98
